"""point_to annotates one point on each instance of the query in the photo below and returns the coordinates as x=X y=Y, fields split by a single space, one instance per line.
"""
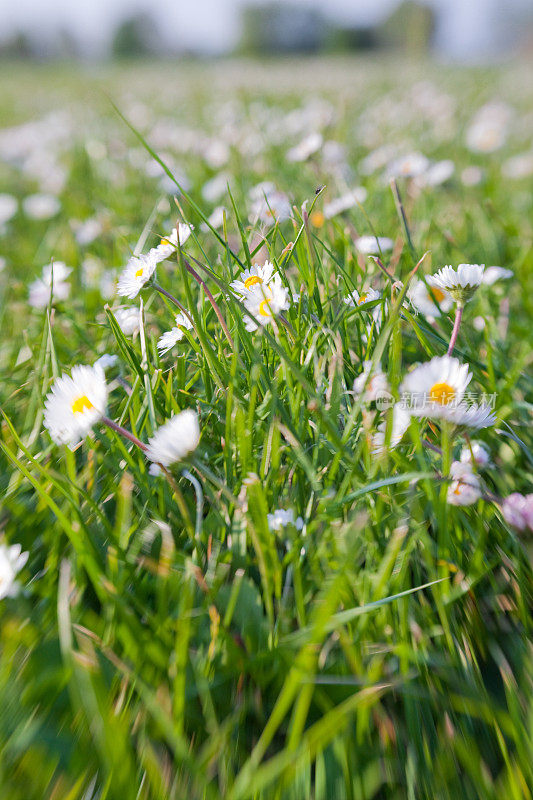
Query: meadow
x=269 y=536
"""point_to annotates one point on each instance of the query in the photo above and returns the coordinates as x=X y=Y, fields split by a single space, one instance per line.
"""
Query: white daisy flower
x=306 y=148
x=356 y=299
x=175 y=439
x=8 y=208
x=472 y=176
x=280 y=518
x=74 y=404
x=135 y=274
x=356 y=195
x=105 y=361
x=480 y=453
x=128 y=318
x=12 y=561
x=473 y=416
x=372 y=384
x=435 y=389
x=460 y=283
x=437 y=173
x=270 y=205
x=167 y=341
x=401 y=419
x=465 y=487
x=493 y=274
x=373 y=245
x=264 y=301
x=39 y=290
x=41 y=206
x=253 y=277
x=517 y=511
x=408 y=166
x=169 y=244
x=423 y=299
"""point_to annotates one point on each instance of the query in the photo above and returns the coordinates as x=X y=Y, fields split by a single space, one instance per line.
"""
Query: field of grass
x=172 y=634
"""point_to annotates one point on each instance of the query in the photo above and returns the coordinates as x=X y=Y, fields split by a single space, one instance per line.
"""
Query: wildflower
x=409 y=166
x=435 y=389
x=424 y=298
x=356 y=299
x=346 y=201
x=41 y=206
x=517 y=511
x=8 y=208
x=264 y=302
x=175 y=439
x=74 y=404
x=401 y=420
x=488 y=130
x=493 y=274
x=465 y=487
x=168 y=340
x=105 y=361
x=280 y=518
x=55 y=273
x=373 y=245
x=11 y=562
x=461 y=283
x=269 y=205
x=437 y=173
x=128 y=318
x=476 y=451
x=473 y=416
x=306 y=148
x=372 y=383
x=472 y=176
x=255 y=276
x=169 y=244
x=135 y=274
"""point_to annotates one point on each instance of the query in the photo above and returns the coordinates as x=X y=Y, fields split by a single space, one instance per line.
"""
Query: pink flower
x=518 y=511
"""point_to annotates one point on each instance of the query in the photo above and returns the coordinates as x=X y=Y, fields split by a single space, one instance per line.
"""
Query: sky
x=212 y=26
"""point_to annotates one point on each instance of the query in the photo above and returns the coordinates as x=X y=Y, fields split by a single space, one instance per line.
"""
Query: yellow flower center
x=438 y=294
x=139 y=273
x=442 y=393
x=80 y=404
x=362 y=299
x=252 y=280
x=317 y=219
x=264 y=308
x=165 y=241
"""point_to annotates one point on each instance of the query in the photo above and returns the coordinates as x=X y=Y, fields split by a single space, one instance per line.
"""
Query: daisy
x=373 y=245
x=479 y=452
x=465 y=487
x=55 y=273
x=356 y=299
x=128 y=318
x=408 y=166
x=11 y=562
x=168 y=340
x=269 y=205
x=175 y=439
x=425 y=298
x=435 y=389
x=493 y=274
x=264 y=302
x=169 y=244
x=518 y=511
x=345 y=202
x=306 y=148
x=105 y=361
x=461 y=283
x=40 y=206
x=280 y=518
x=8 y=208
x=255 y=276
x=74 y=404
x=135 y=274
x=371 y=383
x=401 y=419
x=474 y=416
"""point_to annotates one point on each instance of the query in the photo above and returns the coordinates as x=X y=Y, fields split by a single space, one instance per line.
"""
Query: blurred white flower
x=105 y=361
x=264 y=301
x=408 y=166
x=74 y=404
x=371 y=383
x=472 y=176
x=12 y=561
x=481 y=455
x=493 y=274
x=401 y=420
x=175 y=439
x=348 y=200
x=8 y=208
x=169 y=244
x=280 y=518
x=39 y=290
x=465 y=487
x=425 y=298
x=128 y=318
x=41 y=206
x=306 y=148
x=373 y=245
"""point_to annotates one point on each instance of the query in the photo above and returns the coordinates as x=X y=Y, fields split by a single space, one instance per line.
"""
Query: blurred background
x=478 y=31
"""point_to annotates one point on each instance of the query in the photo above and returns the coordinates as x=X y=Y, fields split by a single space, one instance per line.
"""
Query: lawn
x=269 y=537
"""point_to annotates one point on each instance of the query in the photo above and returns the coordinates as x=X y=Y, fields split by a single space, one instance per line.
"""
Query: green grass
x=383 y=651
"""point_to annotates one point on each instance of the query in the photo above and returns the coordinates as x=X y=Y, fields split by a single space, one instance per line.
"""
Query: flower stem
x=123 y=432
x=211 y=299
x=172 y=299
x=456 y=325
